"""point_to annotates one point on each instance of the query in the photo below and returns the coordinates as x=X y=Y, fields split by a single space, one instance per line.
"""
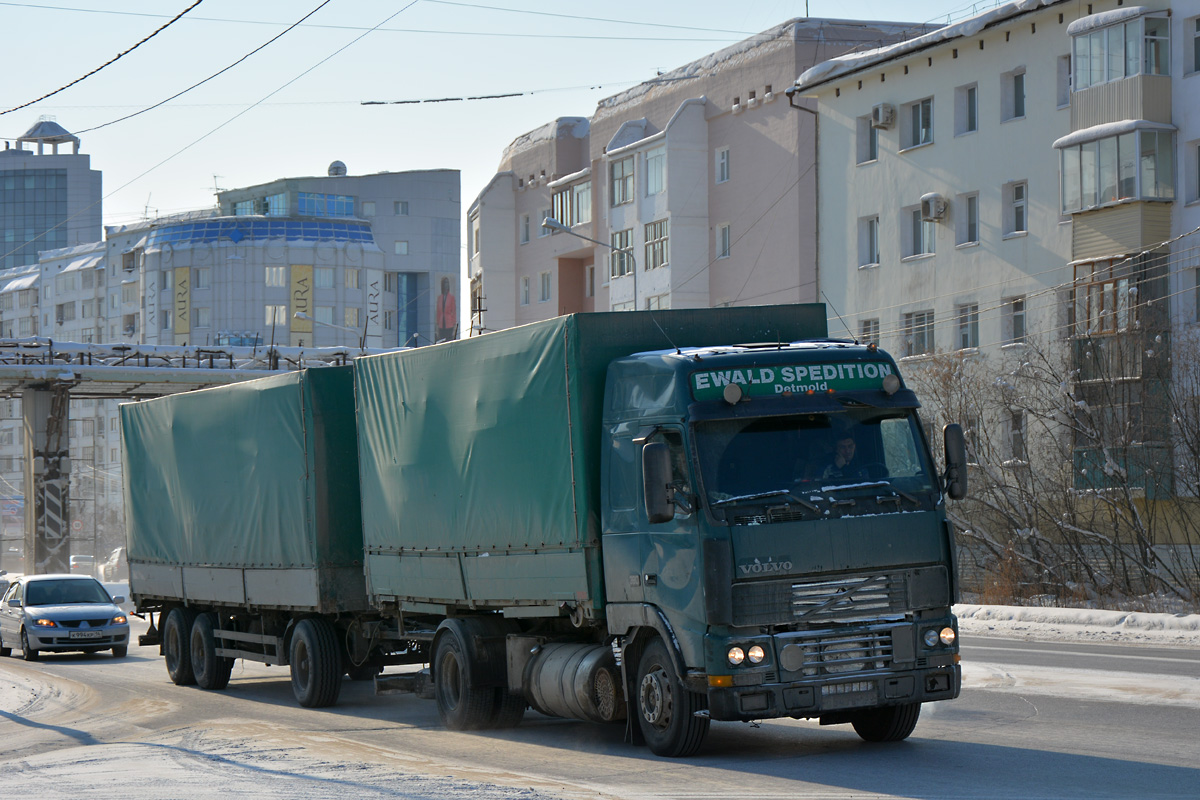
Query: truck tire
x=890 y=724
x=316 y=663
x=508 y=709
x=210 y=670
x=176 y=639
x=666 y=709
x=461 y=706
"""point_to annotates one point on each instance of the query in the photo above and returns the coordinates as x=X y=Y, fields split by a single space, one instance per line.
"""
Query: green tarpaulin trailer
x=247 y=495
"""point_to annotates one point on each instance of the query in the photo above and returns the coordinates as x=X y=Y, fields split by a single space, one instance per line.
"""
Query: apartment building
x=695 y=188
x=1017 y=175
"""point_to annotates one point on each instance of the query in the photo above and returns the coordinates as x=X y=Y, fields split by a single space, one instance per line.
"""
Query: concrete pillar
x=47 y=477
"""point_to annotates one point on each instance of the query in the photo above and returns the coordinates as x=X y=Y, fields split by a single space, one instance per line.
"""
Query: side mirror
x=118 y=600
x=656 y=477
x=956 y=461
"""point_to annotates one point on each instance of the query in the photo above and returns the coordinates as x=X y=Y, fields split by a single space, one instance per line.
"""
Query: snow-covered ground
x=1079 y=624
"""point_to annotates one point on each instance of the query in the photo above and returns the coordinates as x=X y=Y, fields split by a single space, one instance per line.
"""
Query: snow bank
x=1067 y=624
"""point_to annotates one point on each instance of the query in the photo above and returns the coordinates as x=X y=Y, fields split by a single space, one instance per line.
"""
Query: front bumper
x=59 y=640
x=827 y=696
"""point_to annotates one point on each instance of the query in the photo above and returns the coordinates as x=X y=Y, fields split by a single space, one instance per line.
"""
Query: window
x=573 y=205
x=621 y=256
x=868 y=331
x=920 y=123
x=868 y=241
x=389 y=320
x=1012 y=94
x=724 y=241
x=276 y=315
x=656 y=171
x=1140 y=46
x=1014 y=320
x=867 y=140
x=167 y=318
x=276 y=276
x=129 y=293
x=315 y=204
x=525 y=290
x=164 y=284
x=476 y=238
x=1063 y=81
x=350 y=317
x=277 y=205
x=919 y=234
x=323 y=277
x=1016 y=208
x=621 y=181
x=657 y=253
x=966 y=109
x=545 y=284
x=201 y=279
x=400 y=208
x=967 y=216
x=542 y=229
x=968 y=326
x=658 y=302
x=85 y=309
x=625 y=306
x=203 y=317
x=589 y=281
x=244 y=208
x=524 y=229
x=350 y=278
x=324 y=314
x=1016 y=436
x=64 y=312
x=401 y=247
x=1193 y=29
x=723 y=165
x=918 y=333
x=390 y=279
x=368 y=208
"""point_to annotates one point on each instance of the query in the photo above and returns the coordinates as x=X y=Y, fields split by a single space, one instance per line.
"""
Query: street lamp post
x=555 y=225
x=362 y=340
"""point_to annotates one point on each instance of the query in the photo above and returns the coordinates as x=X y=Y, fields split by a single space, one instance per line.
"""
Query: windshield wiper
x=756 y=496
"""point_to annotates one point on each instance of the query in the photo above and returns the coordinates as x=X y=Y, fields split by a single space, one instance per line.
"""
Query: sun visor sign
x=790 y=379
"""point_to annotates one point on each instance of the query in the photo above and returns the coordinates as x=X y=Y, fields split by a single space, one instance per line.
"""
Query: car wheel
x=316 y=663
x=26 y=651
x=176 y=638
x=211 y=670
x=5 y=652
x=120 y=650
x=666 y=709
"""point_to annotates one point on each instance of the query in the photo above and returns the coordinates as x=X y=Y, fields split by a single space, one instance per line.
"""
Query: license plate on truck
x=75 y=635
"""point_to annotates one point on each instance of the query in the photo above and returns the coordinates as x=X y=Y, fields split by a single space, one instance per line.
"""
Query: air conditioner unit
x=883 y=115
x=933 y=207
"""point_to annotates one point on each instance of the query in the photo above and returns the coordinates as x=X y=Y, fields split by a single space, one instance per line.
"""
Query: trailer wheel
x=211 y=671
x=461 y=706
x=177 y=651
x=666 y=709
x=316 y=664
x=890 y=724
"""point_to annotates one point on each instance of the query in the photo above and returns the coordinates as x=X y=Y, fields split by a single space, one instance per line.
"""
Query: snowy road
x=1029 y=725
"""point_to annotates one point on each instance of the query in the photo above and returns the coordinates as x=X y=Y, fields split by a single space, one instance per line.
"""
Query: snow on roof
x=88 y=262
x=26 y=282
x=556 y=129
x=1108 y=129
x=852 y=62
x=568 y=179
x=1104 y=19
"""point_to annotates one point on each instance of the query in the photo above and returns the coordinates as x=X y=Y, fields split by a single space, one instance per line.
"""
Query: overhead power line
x=112 y=60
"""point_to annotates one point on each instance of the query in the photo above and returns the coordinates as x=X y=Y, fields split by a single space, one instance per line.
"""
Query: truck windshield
x=816 y=461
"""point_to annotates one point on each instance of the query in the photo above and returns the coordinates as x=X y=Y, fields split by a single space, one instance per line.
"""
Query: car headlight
x=736 y=655
x=119 y=619
x=45 y=623
x=756 y=655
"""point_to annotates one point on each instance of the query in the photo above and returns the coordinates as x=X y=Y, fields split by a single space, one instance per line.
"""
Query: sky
x=297 y=104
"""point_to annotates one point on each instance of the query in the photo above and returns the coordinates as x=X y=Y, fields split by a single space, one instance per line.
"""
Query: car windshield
x=804 y=457
x=64 y=592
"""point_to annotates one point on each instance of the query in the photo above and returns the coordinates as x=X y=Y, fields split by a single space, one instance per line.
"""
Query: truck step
x=417 y=683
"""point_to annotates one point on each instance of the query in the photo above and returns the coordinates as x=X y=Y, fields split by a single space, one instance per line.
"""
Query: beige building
x=692 y=189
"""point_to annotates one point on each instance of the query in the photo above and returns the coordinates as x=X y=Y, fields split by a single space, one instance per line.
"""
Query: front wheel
x=27 y=652
x=176 y=643
x=667 y=711
x=890 y=724
x=316 y=663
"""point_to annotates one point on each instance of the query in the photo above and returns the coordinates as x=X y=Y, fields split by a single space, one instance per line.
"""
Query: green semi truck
x=651 y=519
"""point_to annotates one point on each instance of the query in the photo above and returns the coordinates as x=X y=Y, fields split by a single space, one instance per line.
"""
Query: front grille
x=75 y=623
x=836 y=652
x=841 y=600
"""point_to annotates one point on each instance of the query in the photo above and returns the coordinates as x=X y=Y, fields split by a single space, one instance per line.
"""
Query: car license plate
x=86 y=635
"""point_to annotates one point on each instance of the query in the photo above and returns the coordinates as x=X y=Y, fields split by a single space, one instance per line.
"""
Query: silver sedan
x=61 y=613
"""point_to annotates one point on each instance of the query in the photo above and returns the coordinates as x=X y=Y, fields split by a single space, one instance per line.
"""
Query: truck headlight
x=736 y=655
x=947 y=636
x=756 y=655
x=931 y=638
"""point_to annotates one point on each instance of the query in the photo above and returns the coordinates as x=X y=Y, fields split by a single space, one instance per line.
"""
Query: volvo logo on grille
x=757 y=567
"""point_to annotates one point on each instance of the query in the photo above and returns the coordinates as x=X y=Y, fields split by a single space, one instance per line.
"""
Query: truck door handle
x=650 y=579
